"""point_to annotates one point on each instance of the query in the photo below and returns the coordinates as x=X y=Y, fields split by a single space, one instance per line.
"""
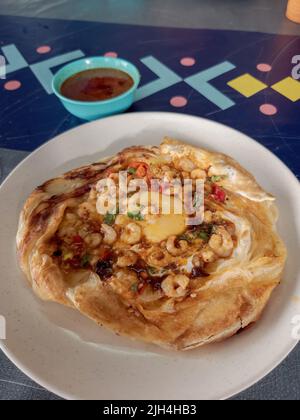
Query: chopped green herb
x=68 y=256
x=109 y=219
x=132 y=171
x=203 y=235
x=134 y=287
x=136 y=216
x=85 y=260
x=197 y=201
x=215 y=178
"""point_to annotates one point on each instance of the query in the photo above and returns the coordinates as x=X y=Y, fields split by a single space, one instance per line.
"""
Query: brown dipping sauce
x=96 y=85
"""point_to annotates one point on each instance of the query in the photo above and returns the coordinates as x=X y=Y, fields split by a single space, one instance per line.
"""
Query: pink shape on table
x=264 y=67
x=188 y=61
x=12 y=85
x=178 y=101
x=268 y=109
x=43 y=49
x=111 y=54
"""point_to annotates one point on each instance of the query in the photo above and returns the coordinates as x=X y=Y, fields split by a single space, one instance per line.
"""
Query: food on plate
x=146 y=274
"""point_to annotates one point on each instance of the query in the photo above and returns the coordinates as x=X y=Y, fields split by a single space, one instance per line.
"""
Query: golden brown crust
x=232 y=297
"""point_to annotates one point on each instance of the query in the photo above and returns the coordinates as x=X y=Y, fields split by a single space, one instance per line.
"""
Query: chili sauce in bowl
x=96 y=87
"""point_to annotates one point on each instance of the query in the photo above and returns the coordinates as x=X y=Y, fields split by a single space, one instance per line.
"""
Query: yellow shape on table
x=247 y=85
x=289 y=88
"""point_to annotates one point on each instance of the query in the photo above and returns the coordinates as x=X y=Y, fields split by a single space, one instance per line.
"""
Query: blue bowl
x=97 y=109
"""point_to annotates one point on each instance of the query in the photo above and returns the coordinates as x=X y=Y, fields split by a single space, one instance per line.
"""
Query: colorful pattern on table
x=238 y=78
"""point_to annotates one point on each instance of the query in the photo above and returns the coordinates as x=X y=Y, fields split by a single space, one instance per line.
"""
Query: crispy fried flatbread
x=144 y=277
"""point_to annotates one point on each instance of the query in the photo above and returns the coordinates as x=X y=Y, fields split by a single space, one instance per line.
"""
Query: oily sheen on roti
x=152 y=277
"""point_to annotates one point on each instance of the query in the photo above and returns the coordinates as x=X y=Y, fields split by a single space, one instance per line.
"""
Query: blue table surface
x=30 y=114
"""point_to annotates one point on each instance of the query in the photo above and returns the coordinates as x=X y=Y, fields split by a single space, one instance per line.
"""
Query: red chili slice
x=218 y=194
x=135 y=165
x=142 y=169
x=77 y=239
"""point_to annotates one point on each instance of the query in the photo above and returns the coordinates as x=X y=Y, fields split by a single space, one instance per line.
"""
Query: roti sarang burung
x=153 y=277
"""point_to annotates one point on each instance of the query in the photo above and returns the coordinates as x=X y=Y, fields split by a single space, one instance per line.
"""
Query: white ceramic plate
x=72 y=357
